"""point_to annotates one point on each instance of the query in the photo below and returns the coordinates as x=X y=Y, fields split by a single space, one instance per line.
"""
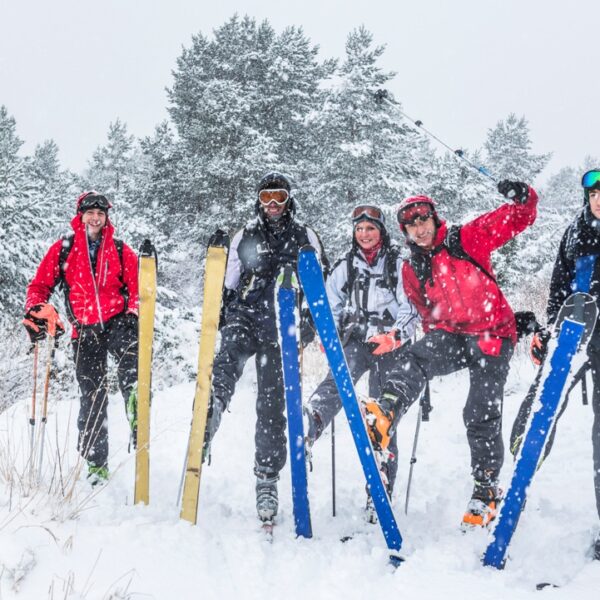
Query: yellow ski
x=147 y=292
x=214 y=277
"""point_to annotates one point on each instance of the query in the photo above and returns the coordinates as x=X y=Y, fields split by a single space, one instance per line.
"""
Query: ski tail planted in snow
x=313 y=285
x=214 y=277
x=288 y=324
x=574 y=326
x=141 y=420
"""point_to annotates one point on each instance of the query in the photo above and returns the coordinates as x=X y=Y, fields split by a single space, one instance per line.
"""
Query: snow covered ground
x=63 y=541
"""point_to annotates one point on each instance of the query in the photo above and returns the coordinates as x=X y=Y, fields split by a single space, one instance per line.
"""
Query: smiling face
x=94 y=220
x=367 y=235
x=422 y=232
x=595 y=203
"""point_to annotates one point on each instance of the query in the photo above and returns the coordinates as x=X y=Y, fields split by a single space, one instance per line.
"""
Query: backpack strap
x=455 y=249
x=67 y=244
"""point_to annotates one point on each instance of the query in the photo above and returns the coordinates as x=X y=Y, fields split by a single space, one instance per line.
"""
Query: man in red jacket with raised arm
x=99 y=275
x=467 y=323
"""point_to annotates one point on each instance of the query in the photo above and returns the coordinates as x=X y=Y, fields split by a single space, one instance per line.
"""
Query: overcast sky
x=70 y=67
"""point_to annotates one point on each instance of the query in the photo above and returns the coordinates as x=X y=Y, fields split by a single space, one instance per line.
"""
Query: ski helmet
x=412 y=204
x=590 y=181
x=92 y=199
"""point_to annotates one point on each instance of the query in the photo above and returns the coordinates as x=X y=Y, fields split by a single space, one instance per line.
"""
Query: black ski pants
x=240 y=340
x=440 y=353
x=520 y=424
x=326 y=402
x=91 y=349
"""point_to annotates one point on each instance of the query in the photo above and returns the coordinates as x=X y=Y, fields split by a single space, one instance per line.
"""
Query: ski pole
x=180 y=490
x=383 y=96
x=424 y=411
x=413 y=459
x=333 y=466
x=33 y=402
x=53 y=343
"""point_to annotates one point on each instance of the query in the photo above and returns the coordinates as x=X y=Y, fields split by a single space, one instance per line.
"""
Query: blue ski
x=573 y=328
x=311 y=279
x=287 y=302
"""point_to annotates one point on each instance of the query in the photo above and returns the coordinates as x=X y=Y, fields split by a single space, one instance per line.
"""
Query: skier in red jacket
x=467 y=323
x=99 y=276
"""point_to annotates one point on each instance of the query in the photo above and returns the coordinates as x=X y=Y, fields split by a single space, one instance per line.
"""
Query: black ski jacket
x=581 y=238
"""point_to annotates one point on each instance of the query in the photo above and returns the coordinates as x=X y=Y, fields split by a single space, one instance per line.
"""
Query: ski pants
x=520 y=424
x=326 y=402
x=441 y=353
x=240 y=340
x=120 y=339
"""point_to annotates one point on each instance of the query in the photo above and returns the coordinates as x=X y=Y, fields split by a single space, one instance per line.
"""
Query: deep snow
x=96 y=545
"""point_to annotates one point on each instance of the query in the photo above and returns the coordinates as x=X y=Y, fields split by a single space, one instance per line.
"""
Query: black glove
x=130 y=321
x=381 y=96
x=526 y=323
x=517 y=191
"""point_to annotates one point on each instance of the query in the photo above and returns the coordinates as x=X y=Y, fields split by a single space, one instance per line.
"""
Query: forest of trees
x=245 y=100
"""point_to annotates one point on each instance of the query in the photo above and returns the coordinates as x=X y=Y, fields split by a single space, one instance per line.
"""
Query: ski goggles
x=417 y=212
x=591 y=179
x=367 y=211
x=280 y=197
x=94 y=201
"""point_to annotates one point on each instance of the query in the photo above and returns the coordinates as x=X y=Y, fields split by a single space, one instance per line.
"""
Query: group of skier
x=447 y=283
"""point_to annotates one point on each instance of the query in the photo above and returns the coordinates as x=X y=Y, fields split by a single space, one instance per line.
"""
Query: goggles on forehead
x=94 y=201
x=367 y=211
x=417 y=212
x=280 y=197
x=591 y=179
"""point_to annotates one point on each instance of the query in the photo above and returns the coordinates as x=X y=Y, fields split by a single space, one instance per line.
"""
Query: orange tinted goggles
x=280 y=197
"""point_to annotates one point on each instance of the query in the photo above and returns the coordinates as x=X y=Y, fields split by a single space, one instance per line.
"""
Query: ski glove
x=383 y=343
x=539 y=346
x=526 y=323
x=517 y=191
x=43 y=319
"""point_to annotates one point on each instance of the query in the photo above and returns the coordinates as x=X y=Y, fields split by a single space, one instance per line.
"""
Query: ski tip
x=307 y=248
x=287 y=278
x=219 y=239
x=147 y=248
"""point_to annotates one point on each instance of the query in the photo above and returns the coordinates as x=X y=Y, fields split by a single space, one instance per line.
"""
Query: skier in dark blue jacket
x=258 y=251
x=580 y=243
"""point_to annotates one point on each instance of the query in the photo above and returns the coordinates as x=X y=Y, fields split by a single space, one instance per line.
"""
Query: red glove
x=41 y=319
x=384 y=342
x=539 y=346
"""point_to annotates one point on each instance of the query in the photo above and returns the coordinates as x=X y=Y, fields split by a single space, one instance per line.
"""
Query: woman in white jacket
x=373 y=316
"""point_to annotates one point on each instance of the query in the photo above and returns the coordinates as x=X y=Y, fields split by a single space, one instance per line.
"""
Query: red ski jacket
x=92 y=298
x=458 y=296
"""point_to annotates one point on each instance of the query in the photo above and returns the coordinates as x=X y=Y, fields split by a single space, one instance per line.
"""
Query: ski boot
x=483 y=506
x=267 y=502
x=97 y=475
x=314 y=428
x=379 y=417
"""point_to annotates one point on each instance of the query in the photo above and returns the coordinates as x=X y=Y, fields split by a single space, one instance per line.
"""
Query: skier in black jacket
x=256 y=255
x=576 y=268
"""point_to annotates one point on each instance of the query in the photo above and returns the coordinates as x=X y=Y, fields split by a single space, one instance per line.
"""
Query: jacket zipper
x=97 y=293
